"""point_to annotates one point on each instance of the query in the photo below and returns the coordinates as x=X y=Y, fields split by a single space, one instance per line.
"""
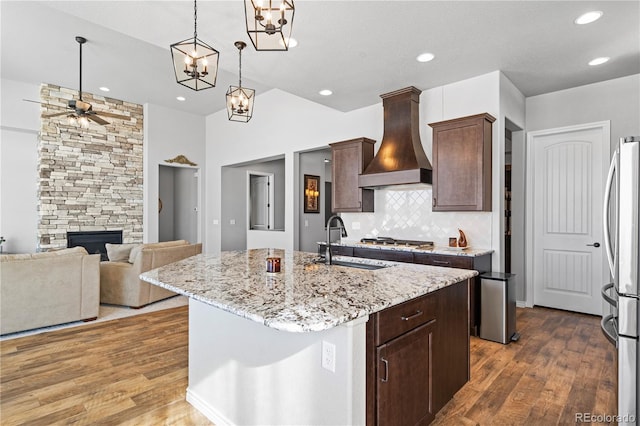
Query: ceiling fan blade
x=109 y=114
x=97 y=119
x=55 y=114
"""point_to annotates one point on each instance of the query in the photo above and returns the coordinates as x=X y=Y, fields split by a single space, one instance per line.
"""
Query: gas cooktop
x=387 y=241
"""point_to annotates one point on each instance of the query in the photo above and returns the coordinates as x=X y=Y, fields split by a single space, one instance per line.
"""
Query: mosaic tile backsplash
x=404 y=212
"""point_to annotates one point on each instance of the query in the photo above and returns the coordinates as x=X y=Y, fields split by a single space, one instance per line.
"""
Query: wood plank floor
x=562 y=365
x=133 y=371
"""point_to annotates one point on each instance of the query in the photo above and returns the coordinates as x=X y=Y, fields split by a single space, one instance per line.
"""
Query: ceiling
x=357 y=49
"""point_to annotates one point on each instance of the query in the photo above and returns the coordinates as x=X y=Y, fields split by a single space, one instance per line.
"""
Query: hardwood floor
x=562 y=365
x=133 y=371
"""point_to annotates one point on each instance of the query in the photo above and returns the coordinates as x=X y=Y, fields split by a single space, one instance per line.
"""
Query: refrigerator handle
x=605 y=214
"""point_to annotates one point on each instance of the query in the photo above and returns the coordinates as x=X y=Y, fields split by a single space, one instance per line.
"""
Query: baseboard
x=207 y=410
x=521 y=304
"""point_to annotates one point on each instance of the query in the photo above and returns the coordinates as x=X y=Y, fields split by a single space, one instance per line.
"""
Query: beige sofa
x=49 y=288
x=119 y=277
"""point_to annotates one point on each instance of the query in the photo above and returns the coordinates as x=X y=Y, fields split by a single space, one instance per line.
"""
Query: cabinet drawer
x=397 y=320
x=335 y=250
x=461 y=262
x=392 y=255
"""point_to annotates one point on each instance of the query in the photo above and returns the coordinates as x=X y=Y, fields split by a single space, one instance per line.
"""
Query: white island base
x=243 y=373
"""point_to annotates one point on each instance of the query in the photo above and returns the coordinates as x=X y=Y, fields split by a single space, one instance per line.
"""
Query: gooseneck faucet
x=343 y=233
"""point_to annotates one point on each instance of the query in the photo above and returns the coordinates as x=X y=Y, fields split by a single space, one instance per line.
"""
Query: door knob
x=594 y=245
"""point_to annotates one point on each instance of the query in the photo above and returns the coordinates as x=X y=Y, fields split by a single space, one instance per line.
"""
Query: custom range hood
x=401 y=159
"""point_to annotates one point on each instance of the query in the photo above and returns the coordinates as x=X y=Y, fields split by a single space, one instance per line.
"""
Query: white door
x=568 y=170
x=260 y=201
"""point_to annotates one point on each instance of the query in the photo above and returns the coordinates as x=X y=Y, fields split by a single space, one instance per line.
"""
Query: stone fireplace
x=89 y=179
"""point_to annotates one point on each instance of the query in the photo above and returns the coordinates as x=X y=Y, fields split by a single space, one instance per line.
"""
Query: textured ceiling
x=358 y=49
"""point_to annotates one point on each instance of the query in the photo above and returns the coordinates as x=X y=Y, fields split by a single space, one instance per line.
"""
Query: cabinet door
x=349 y=158
x=462 y=164
x=405 y=391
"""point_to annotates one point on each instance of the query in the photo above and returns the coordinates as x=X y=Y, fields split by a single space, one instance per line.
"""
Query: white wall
x=234 y=216
x=617 y=100
x=282 y=124
x=19 y=126
x=167 y=134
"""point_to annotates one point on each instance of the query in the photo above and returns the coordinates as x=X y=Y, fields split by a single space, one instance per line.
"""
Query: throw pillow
x=135 y=252
x=119 y=252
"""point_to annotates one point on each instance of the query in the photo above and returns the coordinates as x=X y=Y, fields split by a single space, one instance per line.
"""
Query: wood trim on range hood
x=401 y=158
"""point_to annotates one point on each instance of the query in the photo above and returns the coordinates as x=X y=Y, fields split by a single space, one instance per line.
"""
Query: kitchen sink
x=357 y=265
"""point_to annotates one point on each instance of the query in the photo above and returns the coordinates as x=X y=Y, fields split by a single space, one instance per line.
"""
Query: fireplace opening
x=94 y=241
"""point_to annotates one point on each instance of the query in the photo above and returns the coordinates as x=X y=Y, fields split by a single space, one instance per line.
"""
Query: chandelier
x=269 y=23
x=195 y=63
x=240 y=99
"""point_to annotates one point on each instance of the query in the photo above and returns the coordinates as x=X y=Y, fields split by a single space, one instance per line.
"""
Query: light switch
x=215 y=221
x=306 y=223
x=232 y=222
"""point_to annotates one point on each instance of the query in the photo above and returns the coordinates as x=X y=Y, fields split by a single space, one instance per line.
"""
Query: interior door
x=260 y=208
x=569 y=170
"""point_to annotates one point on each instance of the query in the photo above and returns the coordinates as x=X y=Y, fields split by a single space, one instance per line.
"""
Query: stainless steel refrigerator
x=622 y=235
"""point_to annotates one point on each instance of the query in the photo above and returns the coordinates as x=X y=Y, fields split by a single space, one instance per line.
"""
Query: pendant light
x=195 y=63
x=240 y=99
x=269 y=23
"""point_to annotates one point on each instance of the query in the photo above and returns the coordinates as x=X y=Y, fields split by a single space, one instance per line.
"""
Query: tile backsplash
x=404 y=212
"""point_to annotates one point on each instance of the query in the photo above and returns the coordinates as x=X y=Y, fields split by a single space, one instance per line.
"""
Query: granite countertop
x=303 y=296
x=451 y=251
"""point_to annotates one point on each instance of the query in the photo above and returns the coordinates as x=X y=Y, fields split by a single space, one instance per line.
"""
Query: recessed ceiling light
x=598 y=61
x=292 y=42
x=181 y=98
x=104 y=89
x=325 y=92
x=425 y=57
x=588 y=17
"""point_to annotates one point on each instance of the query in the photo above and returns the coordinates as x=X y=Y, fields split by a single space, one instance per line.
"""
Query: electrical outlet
x=232 y=222
x=215 y=221
x=306 y=223
x=329 y=356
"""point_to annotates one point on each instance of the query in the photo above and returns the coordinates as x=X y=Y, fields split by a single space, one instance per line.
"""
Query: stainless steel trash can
x=498 y=307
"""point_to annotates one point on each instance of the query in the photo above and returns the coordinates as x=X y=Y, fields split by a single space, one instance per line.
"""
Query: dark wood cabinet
x=335 y=250
x=462 y=163
x=477 y=263
x=405 y=383
x=392 y=255
x=417 y=357
x=348 y=160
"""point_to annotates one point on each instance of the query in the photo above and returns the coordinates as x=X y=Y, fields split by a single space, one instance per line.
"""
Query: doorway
x=261 y=201
x=567 y=169
x=177 y=204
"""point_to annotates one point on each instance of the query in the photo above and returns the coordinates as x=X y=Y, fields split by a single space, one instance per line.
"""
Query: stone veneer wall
x=89 y=179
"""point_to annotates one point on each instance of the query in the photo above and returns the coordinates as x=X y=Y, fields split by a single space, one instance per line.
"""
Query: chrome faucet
x=343 y=233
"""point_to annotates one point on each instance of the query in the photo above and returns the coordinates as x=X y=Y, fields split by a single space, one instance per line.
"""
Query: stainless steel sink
x=358 y=265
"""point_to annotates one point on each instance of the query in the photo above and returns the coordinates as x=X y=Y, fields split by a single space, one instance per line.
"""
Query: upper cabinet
x=462 y=164
x=348 y=160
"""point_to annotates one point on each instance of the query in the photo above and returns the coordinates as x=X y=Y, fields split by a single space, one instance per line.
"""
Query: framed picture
x=311 y=194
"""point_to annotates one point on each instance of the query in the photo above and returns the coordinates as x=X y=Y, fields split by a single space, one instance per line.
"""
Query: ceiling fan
x=83 y=111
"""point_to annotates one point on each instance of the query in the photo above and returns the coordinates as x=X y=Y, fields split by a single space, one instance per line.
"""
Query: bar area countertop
x=304 y=295
x=444 y=250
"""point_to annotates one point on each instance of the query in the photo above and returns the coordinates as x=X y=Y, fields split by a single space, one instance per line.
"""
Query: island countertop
x=303 y=296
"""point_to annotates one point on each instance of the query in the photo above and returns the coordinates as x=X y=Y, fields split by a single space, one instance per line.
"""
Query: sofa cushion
x=136 y=250
x=119 y=252
x=78 y=250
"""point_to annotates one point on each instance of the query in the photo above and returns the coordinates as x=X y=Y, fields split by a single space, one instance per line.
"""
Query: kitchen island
x=294 y=347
